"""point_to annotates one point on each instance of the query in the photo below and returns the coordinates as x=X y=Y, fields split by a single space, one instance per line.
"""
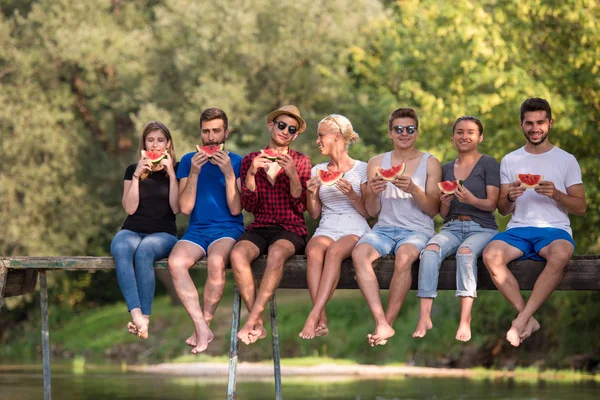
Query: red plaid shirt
x=274 y=204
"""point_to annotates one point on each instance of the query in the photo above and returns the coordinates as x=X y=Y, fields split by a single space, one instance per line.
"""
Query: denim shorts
x=205 y=237
x=530 y=240
x=387 y=239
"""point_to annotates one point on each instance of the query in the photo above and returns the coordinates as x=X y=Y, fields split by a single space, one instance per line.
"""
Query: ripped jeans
x=454 y=236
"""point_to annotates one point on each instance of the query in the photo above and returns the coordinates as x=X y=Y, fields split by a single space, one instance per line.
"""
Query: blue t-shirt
x=210 y=209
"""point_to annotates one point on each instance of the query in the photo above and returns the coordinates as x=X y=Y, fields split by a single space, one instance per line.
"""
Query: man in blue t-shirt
x=209 y=195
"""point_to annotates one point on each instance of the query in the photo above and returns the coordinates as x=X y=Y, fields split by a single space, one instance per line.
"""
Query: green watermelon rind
x=156 y=160
x=526 y=185
x=446 y=190
x=386 y=173
x=204 y=148
x=332 y=181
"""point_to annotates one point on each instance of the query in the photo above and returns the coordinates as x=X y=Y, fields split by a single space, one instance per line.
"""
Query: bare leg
x=336 y=254
x=218 y=258
x=496 y=256
x=181 y=259
x=315 y=258
x=278 y=254
x=557 y=255
x=243 y=254
x=428 y=269
x=363 y=257
x=464 y=259
x=424 y=324
x=406 y=255
x=464 y=327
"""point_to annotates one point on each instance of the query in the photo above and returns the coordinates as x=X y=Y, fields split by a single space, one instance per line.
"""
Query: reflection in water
x=25 y=384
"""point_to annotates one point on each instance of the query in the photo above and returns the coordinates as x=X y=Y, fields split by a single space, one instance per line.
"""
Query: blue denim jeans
x=134 y=255
x=454 y=235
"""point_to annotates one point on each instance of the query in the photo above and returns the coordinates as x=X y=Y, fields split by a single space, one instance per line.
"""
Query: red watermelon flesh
x=329 y=178
x=390 y=174
x=448 y=187
x=272 y=154
x=529 y=181
x=154 y=156
x=211 y=149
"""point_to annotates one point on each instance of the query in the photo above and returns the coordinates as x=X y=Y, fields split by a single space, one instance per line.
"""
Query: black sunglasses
x=399 y=129
x=292 y=130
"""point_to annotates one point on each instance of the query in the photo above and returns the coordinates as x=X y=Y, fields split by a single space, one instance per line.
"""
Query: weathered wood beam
x=582 y=272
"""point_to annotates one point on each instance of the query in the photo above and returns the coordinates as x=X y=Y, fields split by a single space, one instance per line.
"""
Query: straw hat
x=291 y=111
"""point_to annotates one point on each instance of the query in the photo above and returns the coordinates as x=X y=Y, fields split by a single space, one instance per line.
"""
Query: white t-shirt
x=332 y=199
x=533 y=209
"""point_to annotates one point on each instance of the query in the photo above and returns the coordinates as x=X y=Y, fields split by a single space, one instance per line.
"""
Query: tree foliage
x=79 y=80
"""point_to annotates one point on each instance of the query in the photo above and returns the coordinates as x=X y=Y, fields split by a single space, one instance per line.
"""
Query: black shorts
x=264 y=237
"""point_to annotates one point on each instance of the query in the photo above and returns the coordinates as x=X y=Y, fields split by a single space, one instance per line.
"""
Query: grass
x=100 y=333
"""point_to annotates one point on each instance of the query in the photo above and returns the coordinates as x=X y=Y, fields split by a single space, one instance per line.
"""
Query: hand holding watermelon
x=546 y=188
x=223 y=161
x=515 y=190
x=313 y=184
x=198 y=160
x=446 y=198
x=377 y=184
x=286 y=162
x=464 y=195
x=404 y=183
x=346 y=188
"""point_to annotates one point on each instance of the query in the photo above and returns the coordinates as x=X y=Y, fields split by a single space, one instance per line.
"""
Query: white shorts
x=337 y=226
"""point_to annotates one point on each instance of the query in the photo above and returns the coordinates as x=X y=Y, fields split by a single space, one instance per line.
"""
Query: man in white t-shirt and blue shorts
x=539 y=228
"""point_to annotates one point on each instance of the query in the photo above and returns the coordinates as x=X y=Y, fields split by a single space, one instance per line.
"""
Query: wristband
x=508 y=198
x=136 y=177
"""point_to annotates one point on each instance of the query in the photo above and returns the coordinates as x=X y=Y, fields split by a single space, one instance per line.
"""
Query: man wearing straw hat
x=273 y=186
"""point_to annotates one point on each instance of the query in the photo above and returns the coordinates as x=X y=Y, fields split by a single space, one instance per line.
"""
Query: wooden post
x=233 y=346
x=276 y=355
x=3 y=274
x=45 y=335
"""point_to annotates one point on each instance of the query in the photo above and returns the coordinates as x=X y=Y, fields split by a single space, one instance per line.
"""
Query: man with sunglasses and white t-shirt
x=275 y=193
x=405 y=208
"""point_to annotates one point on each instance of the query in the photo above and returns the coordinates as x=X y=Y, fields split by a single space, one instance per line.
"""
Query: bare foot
x=191 y=341
x=464 y=331
x=423 y=326
x=259 y=332
x=246 y=333
x=531 y=326
x=321 y=330
x=514 y=333
x=309 y=329
x=380 y=336
x=141 y=326
x=202 y=341
x=131 y=328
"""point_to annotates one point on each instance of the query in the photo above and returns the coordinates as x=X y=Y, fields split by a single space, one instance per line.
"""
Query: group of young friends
x=213 y=191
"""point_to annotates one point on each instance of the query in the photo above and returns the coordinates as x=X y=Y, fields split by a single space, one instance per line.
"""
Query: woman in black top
x=150 y=197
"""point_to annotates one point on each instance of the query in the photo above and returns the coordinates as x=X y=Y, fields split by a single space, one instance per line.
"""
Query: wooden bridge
x=19 y=275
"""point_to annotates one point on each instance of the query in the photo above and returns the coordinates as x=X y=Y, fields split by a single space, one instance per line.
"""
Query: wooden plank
x=582 y=272
x=20 y=281
x=3 y=275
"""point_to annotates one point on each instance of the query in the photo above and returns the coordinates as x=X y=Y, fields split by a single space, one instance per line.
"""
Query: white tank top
x=398 y=208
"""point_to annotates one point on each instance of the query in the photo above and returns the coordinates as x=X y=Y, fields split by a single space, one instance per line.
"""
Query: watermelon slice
x=154 y=156
x=448 y=187
x=390 y=174
x=272 y=154
x=529 y=181
x=210 y=150
x=329 y=178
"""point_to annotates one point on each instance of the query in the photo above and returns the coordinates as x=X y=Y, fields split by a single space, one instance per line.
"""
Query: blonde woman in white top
x=343 y=217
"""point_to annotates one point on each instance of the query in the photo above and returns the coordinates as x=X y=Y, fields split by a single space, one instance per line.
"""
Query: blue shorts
x=530 y=240
x=387 y=239
x=206 y=237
